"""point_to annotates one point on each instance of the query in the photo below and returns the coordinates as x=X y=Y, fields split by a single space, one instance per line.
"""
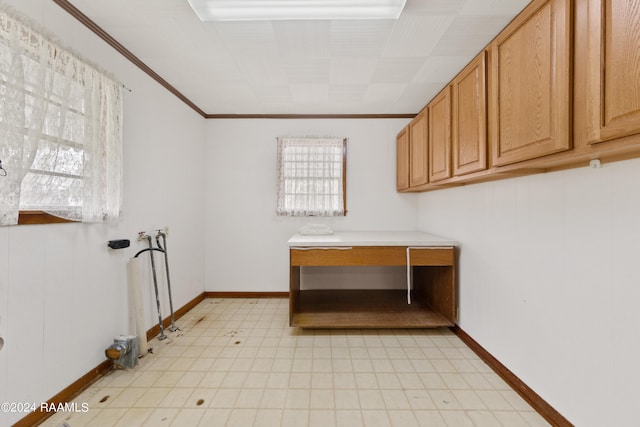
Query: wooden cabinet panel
x=613 y=69
x=418 y=150
x=402 y=160
x=530 y=84
x=439 y=112
x=469 y=118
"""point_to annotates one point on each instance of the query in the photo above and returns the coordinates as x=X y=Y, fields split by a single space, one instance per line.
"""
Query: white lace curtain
x=60 y=130
x=311 y=176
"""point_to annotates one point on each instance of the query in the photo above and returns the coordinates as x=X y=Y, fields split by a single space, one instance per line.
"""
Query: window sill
x=39 y=217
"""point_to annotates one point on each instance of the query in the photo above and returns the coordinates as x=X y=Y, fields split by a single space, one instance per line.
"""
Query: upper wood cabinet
x=402 y=160
x=530 y=84
x=439 y=113
x=469 y=118
x=558 y=87
x=612 y=64
x=418 y=150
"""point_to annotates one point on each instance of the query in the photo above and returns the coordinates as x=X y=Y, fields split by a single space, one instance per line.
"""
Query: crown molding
x=310 y=116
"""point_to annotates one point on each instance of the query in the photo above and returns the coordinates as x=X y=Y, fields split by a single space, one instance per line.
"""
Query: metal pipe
x=155 y=286
x=159 y=234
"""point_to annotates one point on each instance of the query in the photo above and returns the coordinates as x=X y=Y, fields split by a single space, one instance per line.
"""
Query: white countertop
x=371 y=238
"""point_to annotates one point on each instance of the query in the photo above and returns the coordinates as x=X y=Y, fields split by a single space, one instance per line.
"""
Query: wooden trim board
x=531 y=397
x=98 y=372
x=91 y=25
x=246 y=294
x=310 y=116
x=166 y=322
x=37 y=417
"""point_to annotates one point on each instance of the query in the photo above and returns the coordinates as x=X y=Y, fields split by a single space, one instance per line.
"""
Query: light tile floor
x=236 y=362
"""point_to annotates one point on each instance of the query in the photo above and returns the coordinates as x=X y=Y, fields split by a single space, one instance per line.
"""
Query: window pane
x=44 y=192
x=311 y=176
x=52 y=157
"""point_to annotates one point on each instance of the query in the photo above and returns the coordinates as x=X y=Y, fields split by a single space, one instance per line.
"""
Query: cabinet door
x=439 y=111
x=418 y=150
x=469 y=118
x=402 y=160
x=613 y=69
x=530 y=84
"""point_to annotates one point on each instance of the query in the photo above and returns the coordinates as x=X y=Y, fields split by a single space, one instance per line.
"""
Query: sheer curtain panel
x=60 y=129
x=311 y=176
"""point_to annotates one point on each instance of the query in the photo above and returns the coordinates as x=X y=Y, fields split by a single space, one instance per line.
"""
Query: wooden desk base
x=433 y=295
x=364 y=309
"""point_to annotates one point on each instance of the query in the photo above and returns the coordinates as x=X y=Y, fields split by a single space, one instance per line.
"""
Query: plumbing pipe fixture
x=123 y=351
x=136 y=308
x=160 y=233
x=142 y=236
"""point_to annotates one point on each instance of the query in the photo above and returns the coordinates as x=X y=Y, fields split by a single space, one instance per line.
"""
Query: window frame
x=343 y=183
x=40 y=217
x=79 y=91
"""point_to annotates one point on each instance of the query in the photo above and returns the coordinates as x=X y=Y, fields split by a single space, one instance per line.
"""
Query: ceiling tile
x=416 y=35
x=323 y=67
x=309 y=39
x=494 y=7
x=353 y=93
x=418 y=94
x=356 y=70
x=272 y=93
x=309 y=71
x=434 y=7
x=396 y=70
x=388 y=92
x=440 y=69
x=261 y=70
x=359 y=38
x=311 y=94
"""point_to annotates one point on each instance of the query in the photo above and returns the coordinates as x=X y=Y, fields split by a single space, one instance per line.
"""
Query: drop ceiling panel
x=434 y=7
x=396 y=70
x=414 y=94
x=300 y=39
x=379 y=93
x=416 y=35
x=351 y=70
x=493 y=7
x=439 y=67
x=347 y=93
x=310 y=67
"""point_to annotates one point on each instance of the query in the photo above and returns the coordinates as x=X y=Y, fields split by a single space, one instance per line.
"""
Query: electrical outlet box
x=119 y=244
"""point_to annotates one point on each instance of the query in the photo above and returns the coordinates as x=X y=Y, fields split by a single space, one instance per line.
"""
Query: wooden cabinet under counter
x=428 y=301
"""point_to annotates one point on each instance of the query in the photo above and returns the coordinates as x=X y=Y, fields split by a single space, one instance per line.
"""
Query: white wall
x=246 y=242
x=549 y=282
x=62 y=291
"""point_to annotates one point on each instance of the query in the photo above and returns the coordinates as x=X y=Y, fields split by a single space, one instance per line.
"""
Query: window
x=312 y=176
x=60 y=130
